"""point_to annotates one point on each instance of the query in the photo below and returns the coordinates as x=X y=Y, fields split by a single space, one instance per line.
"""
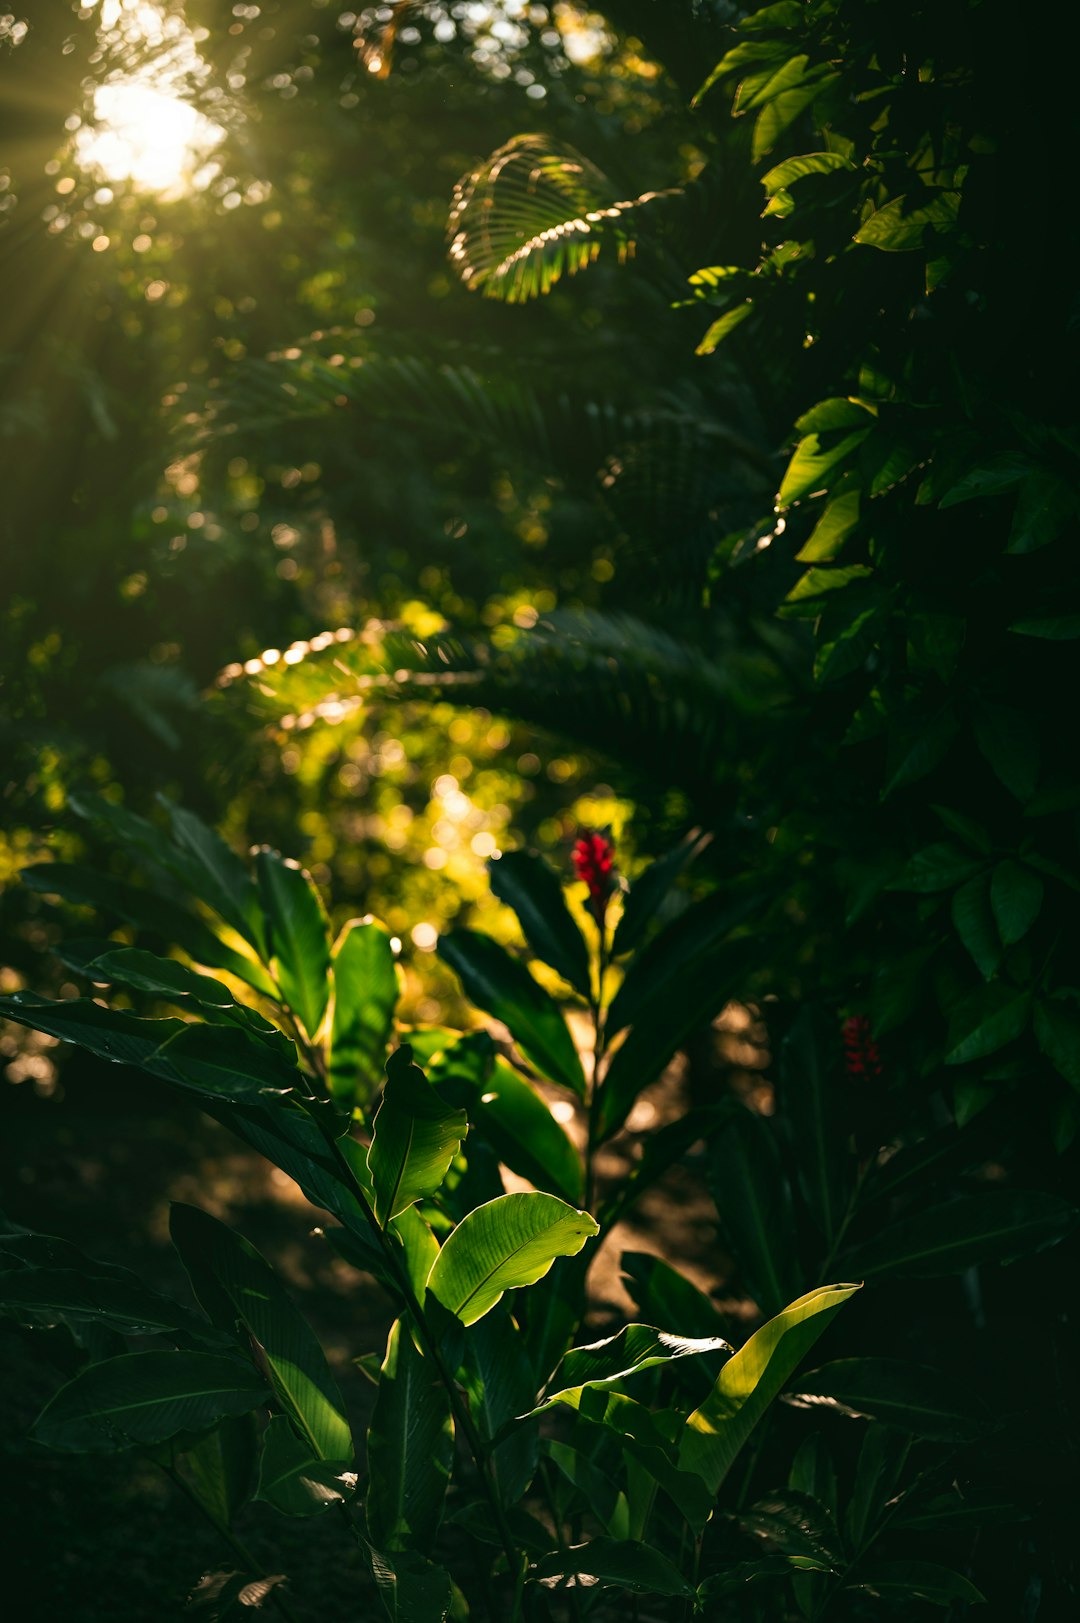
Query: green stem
x=241 y=1552
x=598 y=1013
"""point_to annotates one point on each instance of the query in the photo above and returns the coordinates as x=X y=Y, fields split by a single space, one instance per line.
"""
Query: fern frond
x=534 y=212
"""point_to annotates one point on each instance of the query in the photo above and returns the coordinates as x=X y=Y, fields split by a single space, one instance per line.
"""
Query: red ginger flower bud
x=862 y=1057
x=594 y=862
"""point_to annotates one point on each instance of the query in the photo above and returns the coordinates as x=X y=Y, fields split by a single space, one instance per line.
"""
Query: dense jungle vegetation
x=539 y=1016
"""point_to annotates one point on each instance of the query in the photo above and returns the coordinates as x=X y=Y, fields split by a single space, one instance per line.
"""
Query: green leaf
x=526 y=883
x=412 y=1590
x=219 y=1061
x=749 y=1382
x=985 y=1021
x=366 y=991
x=1053 y=628
x=723 y=326
x=732 y=1579
x=938 y=867
x=1057 y=1032
x=1016 y=896
x=785 y=174
x=146 y=1397
x=235 y=1285
x=410 y=1449
x=296 y=934
x=992 y=1227
x=1006 y=739
x=973 y=918
x=917 y=752
x=608 y=1363
x=613 y=1564
x=812 y=1098
x=920 y=1580
x=662 y=1293
x=644 y=1444
x=1044 y=507
x=783 y=108
x=498 y=1380
x=599 y=1493
x=187 y=989
x=87 y=887
x=650 y=889
x=895 y=1392
x=503 y=987
x=812 y=467
x=837 y=523
x=506 y=1111
x=995 y=478
x=508 y=1242
x=220 y=1467
x=416 y=1135
x=292 y=1480
x=124 y=1304
x=897 y=229
x=221 y=879
x=753 y=1199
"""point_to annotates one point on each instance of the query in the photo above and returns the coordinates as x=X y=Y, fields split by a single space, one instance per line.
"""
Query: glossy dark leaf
x=296 y=937
x=503 y=987
x=410 y=1449
x=986 y=1021
x=812 y=1100
x=365 y=981
x=608 y=1363
x=146 y=1397
x=986 y=1228
x=45 y=1295
x=412 y=1589
x=416 y=1135
x=292 y=1479
x=220 y=1467
x=896 y=1392
x=916 y=1580
x=753 y=1199
x=650 y=889
x=526 y=883
x=1016 y=895
x=973 y=918
x=614 y=1564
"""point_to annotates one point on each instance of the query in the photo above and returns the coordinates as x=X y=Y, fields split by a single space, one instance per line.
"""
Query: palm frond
x=534 y=212
x=666 y=710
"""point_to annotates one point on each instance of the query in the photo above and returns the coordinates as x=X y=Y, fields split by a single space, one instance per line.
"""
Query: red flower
x=862 y=1057
x=594 y=861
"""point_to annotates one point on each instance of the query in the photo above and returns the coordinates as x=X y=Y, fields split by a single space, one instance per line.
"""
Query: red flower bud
x=594 y=862
x=862 y=1058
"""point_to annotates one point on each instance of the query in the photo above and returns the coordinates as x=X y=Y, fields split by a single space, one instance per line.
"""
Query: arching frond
x=534 y=212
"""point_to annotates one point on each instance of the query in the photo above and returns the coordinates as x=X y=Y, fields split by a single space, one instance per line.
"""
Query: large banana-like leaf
x=365 y=996
x=749 y=1382
x=603 y=1364
x=235 y=1285
x=410 y=1449
x=146 y=1398
x=291 y=1479
x=416 y=1136
x=508 y=1242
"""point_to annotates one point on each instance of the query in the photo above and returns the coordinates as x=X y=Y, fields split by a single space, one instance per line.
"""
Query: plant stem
x=598 y=1012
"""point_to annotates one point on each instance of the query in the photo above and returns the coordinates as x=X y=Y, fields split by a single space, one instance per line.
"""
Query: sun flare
x=144 y=129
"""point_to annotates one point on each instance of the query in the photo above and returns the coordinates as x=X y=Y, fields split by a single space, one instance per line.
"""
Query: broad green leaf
x=753 y=1199
x=146 y=1397
x=613 y=1564
x=723 y=326
x=913 y=754
x=509 y=1242
x=419 y=1246
x=975 y=834
x=898 y=1393
x=654 y=976
x=962 y=1510
x=783 y=175
x=600 y=1494
x=526 y=883
x=732 y=1579
x=235 y=1285
x=223 y=881
x=813 y=467
x=1007 y=741
x=549 y=1313
x=998 y=1226
x=896 y=1581
x=749 y=1382
x=1053 y=627
x=985 y=1021
x=1045 y=505
x=837 y=523
x=973 y=918
x=365 y=982
x=292 y=1480
x=1057 y=1032
x=650 y=889
x=217 y=1061
x=296 y=936
x=186 y=988
x=410 y=1449
x=878 y=1473
x=506 y=1111
x=781 y=110
x=220 y=1467
x=416 y=1136
x=607 y=1363
x=645 y=1448
x=503 y=987
x=938 y=867
x=1016 y=896
x=661 y=1292
x=498 y=1380
x=799 y=1526
x=995 y=478
x=820 y=582
x=87 y=887
x=812 y=1099
x=412 y=1589
x=43 y=1295
x=897 y=228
